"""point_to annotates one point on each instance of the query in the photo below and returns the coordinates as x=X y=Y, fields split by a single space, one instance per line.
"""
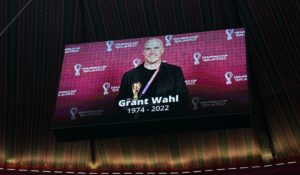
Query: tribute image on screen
x=153 y=78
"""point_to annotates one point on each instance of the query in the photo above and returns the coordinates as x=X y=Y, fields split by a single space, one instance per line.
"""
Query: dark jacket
x=170 y=82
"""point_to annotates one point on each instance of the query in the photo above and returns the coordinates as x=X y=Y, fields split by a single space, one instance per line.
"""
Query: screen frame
x=211 y=121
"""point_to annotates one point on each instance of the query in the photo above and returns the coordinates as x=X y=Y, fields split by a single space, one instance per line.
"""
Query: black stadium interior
x=32 y=41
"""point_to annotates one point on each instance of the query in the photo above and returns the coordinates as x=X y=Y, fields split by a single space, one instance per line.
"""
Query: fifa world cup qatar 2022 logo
x=195 y=102
x=77 y=69
x=168 y=39
x=228 y=77
x=197 y=57
x=73 y=112
x=229 y=33
x=136 y=62
x=106 y=87
x=109 y=45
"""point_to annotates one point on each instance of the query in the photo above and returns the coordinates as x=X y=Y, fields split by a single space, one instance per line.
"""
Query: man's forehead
x=153 y=42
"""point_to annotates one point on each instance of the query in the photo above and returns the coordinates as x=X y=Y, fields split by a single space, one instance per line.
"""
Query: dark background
x=31 y=53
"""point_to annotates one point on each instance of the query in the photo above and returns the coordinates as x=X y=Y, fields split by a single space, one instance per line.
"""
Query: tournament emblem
x=136 y=62
x=168 y=39
x=77 y=69
x=229 y=33
x=73 y=112
x=106 y=87
x=109 y=45
x=197 y=57
x=228 y=76
x=195 y=102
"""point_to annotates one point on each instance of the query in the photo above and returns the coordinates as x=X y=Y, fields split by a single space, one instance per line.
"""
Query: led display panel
x=153 y=78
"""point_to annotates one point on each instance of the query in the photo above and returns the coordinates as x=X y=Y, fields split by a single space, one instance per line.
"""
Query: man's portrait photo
x=154 y=78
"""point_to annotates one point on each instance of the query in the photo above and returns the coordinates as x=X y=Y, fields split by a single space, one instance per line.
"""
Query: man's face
x=153 y=49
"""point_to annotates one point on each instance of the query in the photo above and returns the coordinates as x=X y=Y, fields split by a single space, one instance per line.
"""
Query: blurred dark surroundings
x=31 y=55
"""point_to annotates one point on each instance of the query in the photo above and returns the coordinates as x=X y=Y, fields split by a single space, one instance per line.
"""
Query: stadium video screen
x=153 y=78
